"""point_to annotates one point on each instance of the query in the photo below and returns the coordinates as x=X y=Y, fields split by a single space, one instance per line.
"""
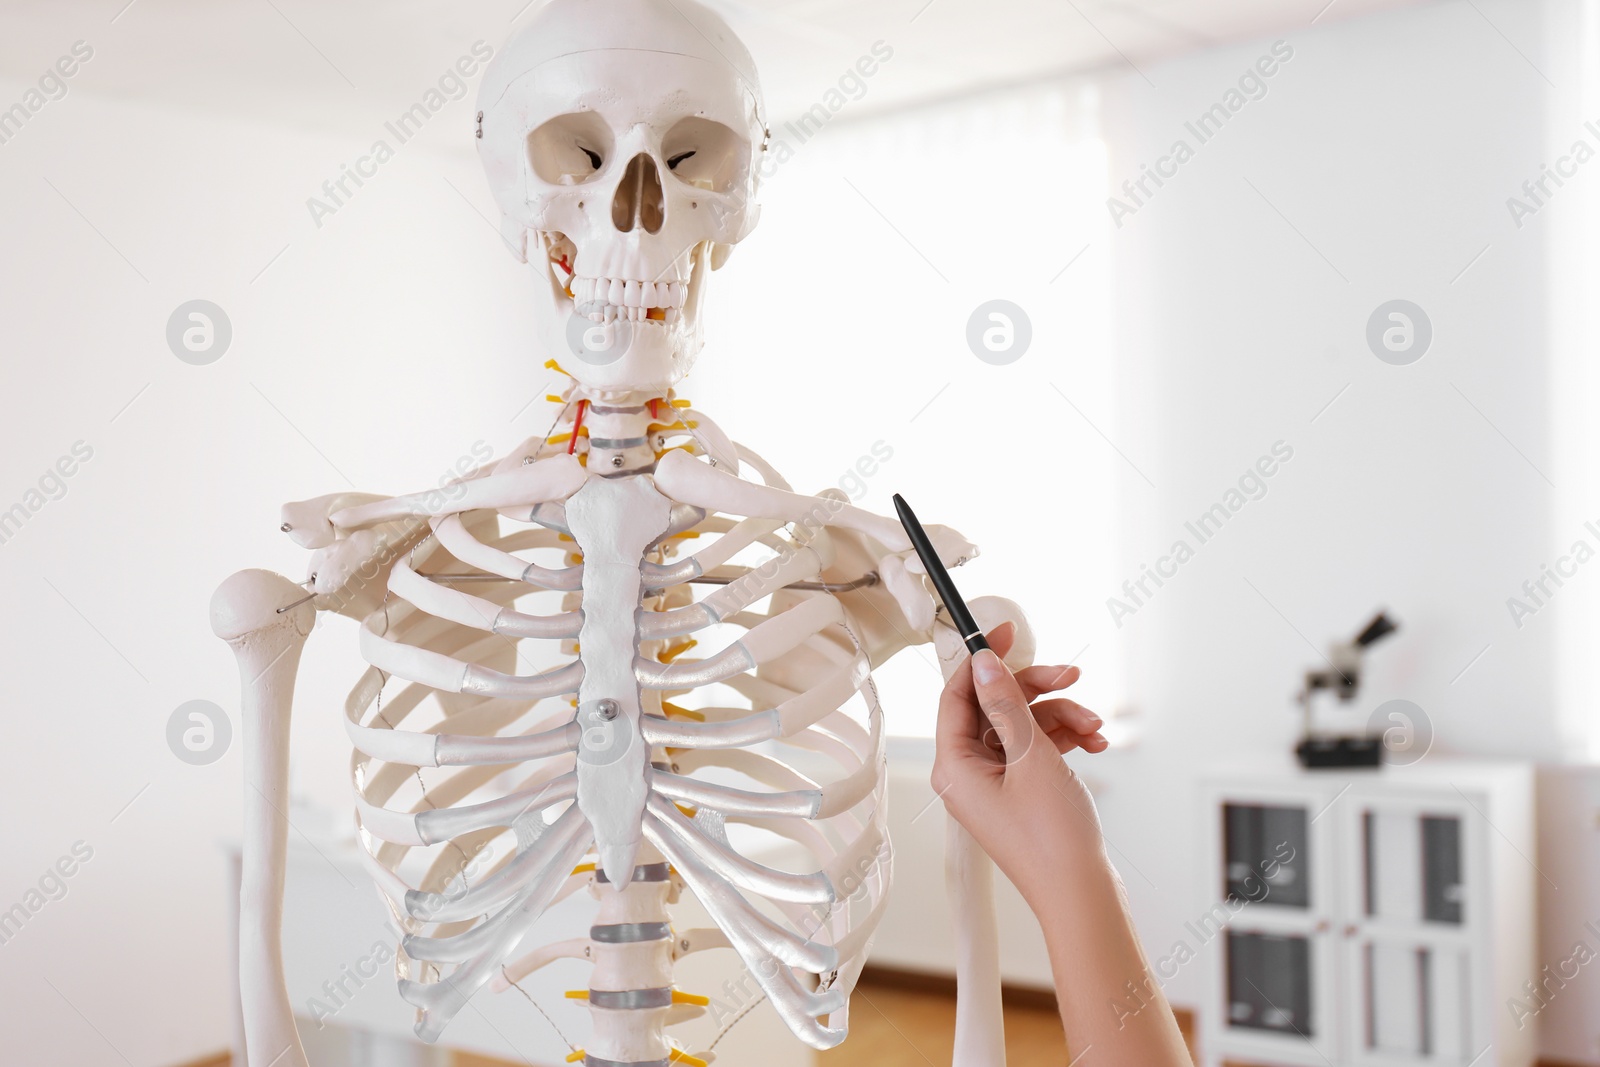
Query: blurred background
x=1220 y=325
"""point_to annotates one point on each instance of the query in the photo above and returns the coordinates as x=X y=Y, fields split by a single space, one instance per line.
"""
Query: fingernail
x=1095 y=722
x=986 y=667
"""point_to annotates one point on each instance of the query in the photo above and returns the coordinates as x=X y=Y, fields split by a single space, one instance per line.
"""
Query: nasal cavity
x=639 y=200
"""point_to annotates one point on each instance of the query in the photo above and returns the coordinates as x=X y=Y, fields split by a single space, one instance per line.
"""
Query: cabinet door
x=1267 y=853
x=1411 y=931
x=1268 y=928
x=1279 y=990
x=1408 y=999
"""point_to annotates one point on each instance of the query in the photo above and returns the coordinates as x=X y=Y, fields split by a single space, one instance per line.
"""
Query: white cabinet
x=1368 y=918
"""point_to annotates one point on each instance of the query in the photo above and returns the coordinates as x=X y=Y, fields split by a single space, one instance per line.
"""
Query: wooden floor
x=892 y=1027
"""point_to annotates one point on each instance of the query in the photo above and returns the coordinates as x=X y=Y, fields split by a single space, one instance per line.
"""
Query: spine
x=631 y=994
x=630 y=988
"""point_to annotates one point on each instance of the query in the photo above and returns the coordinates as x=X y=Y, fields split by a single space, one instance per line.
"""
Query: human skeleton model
x=622 y=140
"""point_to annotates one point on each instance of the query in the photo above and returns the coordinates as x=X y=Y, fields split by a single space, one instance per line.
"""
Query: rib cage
x=466 y=775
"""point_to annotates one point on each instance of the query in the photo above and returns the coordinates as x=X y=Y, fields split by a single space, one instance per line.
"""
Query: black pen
x=960 y=617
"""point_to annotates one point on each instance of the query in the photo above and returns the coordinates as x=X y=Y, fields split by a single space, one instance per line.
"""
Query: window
x=848 y=309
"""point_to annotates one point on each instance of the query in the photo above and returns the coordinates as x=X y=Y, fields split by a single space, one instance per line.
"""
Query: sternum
x=613 y=521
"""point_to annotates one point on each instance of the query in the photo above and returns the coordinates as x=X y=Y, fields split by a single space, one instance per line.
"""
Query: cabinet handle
x=1323 y=926
x=1351 y=930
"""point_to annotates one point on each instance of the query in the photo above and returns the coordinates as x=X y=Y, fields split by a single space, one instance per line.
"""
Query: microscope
x=1343 y=676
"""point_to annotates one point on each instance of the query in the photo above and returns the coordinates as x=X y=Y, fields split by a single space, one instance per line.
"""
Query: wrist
x=1063 y=885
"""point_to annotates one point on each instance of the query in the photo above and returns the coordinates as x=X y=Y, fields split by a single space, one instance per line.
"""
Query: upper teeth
x=606 y=298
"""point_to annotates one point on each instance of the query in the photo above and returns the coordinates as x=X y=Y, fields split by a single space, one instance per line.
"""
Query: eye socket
x=706 y=154
x=570 y=149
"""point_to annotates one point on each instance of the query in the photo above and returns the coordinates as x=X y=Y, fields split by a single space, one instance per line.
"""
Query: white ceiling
x=343 y=65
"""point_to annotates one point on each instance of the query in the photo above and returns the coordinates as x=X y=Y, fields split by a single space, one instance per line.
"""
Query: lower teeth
x=595 y=311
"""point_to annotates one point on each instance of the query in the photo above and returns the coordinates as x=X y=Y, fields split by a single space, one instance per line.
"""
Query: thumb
x=1005 y=705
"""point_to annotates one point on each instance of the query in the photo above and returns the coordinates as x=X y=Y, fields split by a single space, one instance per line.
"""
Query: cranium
x=622 y=140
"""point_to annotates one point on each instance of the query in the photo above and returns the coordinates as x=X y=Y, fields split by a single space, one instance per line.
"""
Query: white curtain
x=846 y=313
x=1575 y=380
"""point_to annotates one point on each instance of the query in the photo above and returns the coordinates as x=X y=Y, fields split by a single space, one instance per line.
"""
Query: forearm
x=1037 y=820
x=1112 y=1011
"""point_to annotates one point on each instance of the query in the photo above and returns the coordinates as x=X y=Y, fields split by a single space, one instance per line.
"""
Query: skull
x=622 y=140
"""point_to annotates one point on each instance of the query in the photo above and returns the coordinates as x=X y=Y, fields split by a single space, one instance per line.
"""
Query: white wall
x=1376 y=166
x=390 y=340
x=1390 y=144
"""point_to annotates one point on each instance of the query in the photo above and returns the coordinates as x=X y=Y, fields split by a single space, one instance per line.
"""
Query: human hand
x=999 y=770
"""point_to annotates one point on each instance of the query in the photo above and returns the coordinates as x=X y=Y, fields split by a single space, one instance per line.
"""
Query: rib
x=738 y=537
x=433 y=826
x=746 y=927
x=490 y=892
x=772 y=638
x=802 y=803
x=743 y=587
x=474 y=611
x=749 y=729
x=429 y=749
x=574 y=948
x=448 y=674
x=758 y=940
x=456 y=539
x=440 y=638
x=562 y=845
x=747 y=874
x=455 y=750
